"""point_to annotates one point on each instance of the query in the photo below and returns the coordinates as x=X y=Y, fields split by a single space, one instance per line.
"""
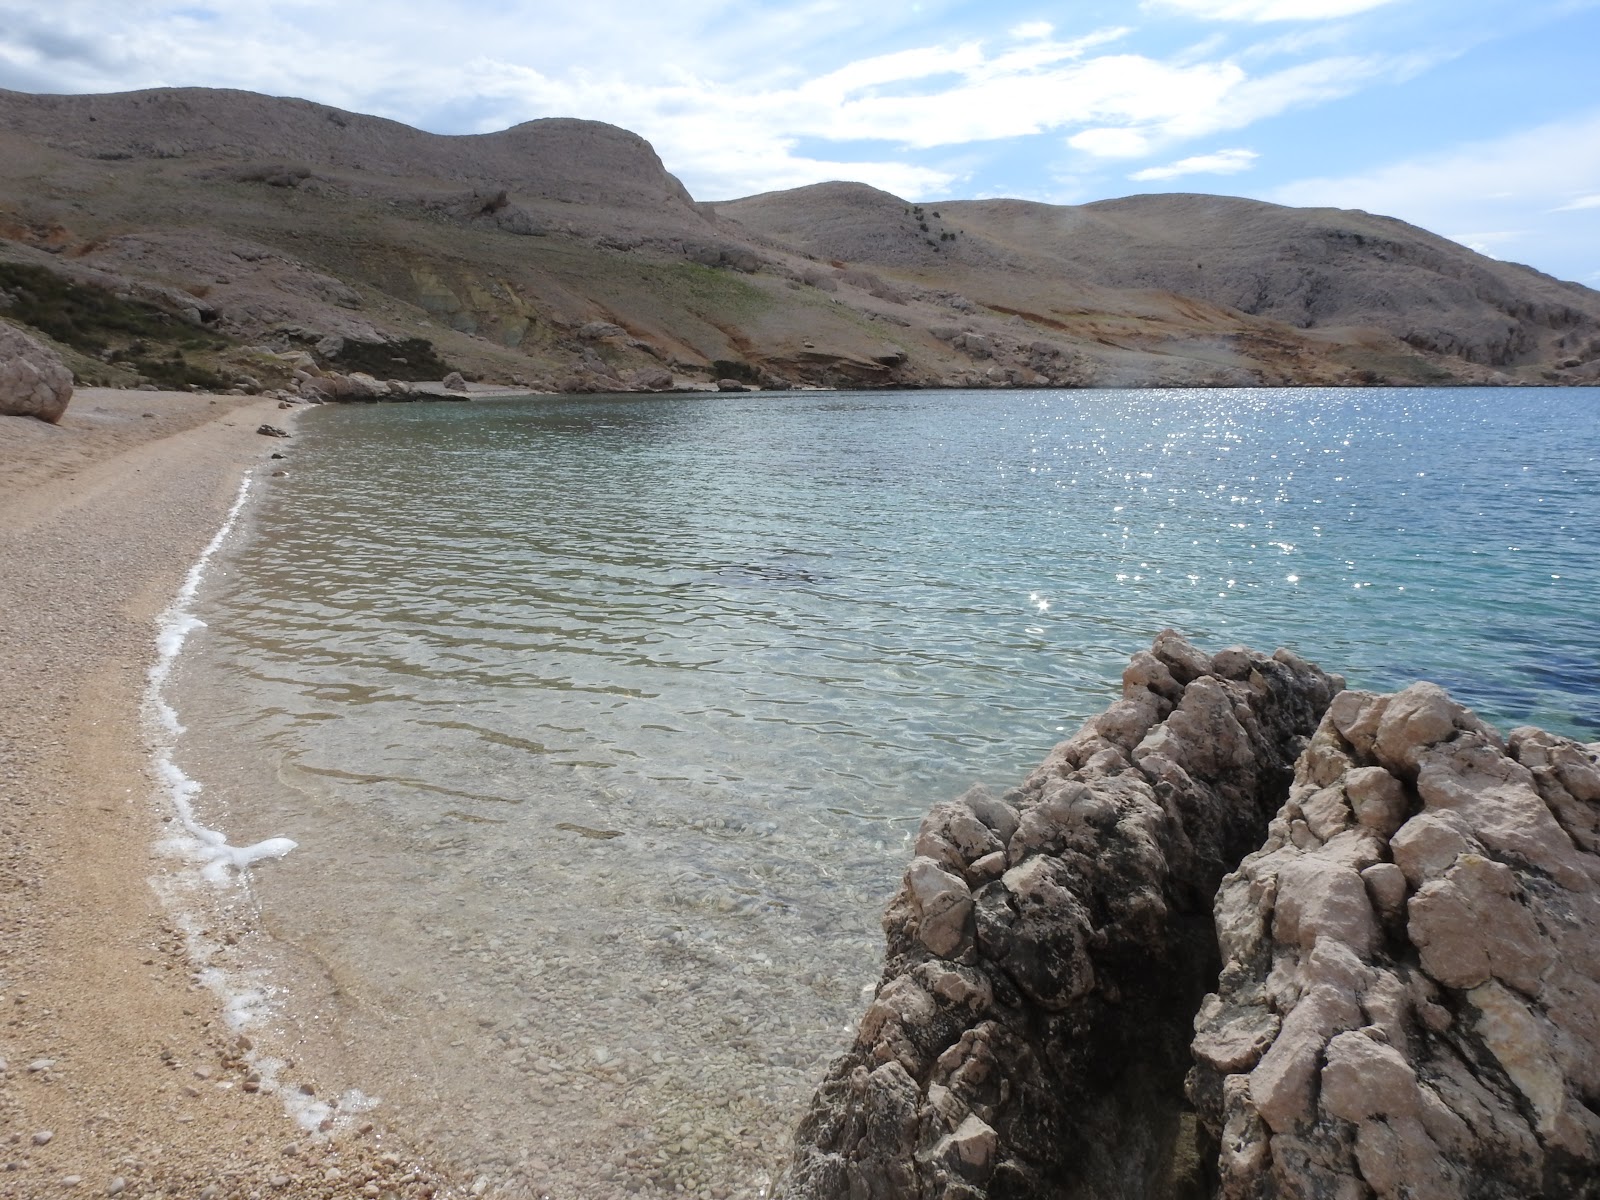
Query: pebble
x=279 y=1181
x=71 y=1180
x=43 y=1137
x=42 y=1064
x=117 y=1186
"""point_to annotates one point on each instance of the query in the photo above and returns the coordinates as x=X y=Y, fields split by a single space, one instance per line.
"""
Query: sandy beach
x=118 y=1075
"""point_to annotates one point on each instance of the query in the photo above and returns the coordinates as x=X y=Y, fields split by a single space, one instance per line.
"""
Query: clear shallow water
x=603 y=723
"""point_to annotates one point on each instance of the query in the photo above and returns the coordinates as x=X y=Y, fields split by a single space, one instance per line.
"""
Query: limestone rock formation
x=354 y=387
x=33 y=380
x=1047 y=950
x=1410 y=1001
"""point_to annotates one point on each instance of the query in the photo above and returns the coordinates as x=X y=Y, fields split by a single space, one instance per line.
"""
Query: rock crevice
x=1048 y=948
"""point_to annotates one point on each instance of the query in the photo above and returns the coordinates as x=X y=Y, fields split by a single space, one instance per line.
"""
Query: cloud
x=1222 y=162
x=1032 y=29
x=1520 y=185
x=1488 y=242
x=1269 y=10
x=1111 y=143
x=1538 y=167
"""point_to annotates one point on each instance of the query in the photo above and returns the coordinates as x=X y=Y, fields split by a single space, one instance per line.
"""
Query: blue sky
x=1478 y=119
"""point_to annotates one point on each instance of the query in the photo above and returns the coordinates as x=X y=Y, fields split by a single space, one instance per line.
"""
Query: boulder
x=1048 y=949
x=454 y=382
x=649 y=379
x=354 y=387
x=33 y=380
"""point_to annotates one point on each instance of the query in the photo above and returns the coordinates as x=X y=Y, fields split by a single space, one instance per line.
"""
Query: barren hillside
x=562 y=254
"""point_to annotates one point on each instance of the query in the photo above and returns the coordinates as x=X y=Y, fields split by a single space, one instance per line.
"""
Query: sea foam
x=206 y=846
x=245 y=993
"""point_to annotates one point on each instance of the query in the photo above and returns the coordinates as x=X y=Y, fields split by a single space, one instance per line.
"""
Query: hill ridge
x=288 y=223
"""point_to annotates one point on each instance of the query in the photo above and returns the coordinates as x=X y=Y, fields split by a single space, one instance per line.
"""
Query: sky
x=1476 y=119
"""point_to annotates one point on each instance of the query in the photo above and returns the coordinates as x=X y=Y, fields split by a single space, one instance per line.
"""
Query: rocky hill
x=202 y=235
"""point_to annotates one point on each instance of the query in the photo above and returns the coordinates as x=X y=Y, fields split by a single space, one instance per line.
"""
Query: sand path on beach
x=100 y=518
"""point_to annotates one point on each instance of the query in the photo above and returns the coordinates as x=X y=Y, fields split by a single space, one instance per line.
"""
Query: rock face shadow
x=1245 y=935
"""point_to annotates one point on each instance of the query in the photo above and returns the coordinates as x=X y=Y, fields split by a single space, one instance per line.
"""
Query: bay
x=604 y=723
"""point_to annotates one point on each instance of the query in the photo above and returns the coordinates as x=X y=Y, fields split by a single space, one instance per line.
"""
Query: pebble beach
x=118 y=1073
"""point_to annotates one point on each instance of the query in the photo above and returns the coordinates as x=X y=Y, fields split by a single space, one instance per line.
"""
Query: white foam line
x=208 y=847
x=245 y=994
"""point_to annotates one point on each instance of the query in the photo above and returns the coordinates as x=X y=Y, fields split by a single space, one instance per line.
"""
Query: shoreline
x=121 y=1074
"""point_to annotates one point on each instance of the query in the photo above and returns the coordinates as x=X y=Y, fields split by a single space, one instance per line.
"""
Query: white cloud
x=1029 y=30
x=1222 y=162
x=1515 y=185
x=1533 y=167
x=1269 y=10
x=1111 y=143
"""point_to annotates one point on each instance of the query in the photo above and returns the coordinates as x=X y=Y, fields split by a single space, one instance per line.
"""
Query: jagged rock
x=594 y=331
x=1410 y=999
x=1048 y=949
x=33 y=380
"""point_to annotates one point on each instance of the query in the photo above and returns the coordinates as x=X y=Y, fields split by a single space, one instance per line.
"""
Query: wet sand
x=119 y=1075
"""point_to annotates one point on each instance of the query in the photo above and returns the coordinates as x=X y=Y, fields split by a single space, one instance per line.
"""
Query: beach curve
x=117 y=1066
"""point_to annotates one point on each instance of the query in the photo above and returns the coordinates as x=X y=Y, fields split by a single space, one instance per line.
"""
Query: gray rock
x=1047 y=951
x=33 y=380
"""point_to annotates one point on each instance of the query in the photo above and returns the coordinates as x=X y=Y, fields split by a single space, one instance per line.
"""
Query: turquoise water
x=603 y=722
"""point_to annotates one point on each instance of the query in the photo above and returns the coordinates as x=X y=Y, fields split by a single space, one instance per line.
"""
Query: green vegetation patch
x=412 y=359
x=102 y=324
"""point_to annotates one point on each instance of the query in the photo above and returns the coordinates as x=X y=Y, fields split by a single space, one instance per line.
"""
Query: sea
x=602 y=726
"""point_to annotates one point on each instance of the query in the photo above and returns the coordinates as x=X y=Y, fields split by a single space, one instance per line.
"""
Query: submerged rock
x=1047 y=951
x=1421 y=935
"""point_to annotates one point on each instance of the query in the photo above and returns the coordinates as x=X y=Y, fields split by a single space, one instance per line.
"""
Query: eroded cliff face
x=1394 y=992
x=1047 y=951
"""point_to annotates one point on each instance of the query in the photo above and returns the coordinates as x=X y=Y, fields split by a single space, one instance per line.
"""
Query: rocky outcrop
x=33 y=380
x=356 y=387
x=1047 y=951
x=1393 y=994
x=1410 y=1001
